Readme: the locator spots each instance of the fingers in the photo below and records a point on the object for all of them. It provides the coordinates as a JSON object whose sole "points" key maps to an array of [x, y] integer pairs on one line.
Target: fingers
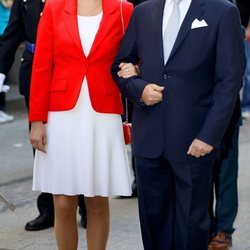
{"points": [[194, 151], [128, 70], [37, 136], [152, 94], [38, 145], [199, 148], [157, 87]]}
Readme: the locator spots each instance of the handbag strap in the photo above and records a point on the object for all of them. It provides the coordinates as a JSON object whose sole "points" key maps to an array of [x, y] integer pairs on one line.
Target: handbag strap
{"points": [[123, 32], [122, 18]]}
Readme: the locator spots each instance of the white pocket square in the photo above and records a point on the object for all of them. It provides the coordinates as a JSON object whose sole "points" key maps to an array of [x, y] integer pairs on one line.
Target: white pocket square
{"points": [[198, 24]]}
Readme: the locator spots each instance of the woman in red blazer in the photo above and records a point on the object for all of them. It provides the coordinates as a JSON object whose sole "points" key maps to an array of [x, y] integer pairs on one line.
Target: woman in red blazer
{"points": [[75, 110]]}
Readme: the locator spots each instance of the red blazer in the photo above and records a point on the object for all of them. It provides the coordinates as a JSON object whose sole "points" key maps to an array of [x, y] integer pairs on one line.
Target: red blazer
{"points": [[60, 65]]}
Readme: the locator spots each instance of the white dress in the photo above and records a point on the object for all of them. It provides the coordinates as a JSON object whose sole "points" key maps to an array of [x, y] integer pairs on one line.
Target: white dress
{"points": [[86, 153]]}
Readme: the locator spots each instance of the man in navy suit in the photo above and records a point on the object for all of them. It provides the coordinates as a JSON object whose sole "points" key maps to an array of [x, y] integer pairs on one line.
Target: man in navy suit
{"points": [[183, 101]]}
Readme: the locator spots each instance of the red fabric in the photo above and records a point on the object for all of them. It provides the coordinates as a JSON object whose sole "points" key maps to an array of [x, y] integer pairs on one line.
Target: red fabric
{"points": [[60, 65]]}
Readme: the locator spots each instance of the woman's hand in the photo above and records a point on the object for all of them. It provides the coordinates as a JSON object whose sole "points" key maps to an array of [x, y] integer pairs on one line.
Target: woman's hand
{"points": [[38, 137], [128, 70]]}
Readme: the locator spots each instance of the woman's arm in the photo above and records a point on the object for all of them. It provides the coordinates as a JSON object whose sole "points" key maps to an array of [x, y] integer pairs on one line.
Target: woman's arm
{"points": [[42, 68]]}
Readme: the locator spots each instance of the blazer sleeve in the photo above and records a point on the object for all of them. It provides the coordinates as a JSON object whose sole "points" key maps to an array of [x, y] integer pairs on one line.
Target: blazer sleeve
{"points": [[13, 35], [132, 87], [229, 69], [42, 67]]}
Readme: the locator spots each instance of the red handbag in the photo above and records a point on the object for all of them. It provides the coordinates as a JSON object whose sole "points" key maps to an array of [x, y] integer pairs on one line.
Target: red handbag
{"points": [[127, 132], [127, 126]]}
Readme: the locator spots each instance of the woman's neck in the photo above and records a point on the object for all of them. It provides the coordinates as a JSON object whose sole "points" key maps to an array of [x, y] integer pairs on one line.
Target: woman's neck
{"points": [[89, 7]]}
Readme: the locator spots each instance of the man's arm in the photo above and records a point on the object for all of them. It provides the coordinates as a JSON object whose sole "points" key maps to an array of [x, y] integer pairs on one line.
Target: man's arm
{"points": [[137, 90], [228, 78], [132, 87]]}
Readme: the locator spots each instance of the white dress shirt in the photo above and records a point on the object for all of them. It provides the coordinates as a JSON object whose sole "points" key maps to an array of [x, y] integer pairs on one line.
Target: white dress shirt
{"points": [[168, 8]]}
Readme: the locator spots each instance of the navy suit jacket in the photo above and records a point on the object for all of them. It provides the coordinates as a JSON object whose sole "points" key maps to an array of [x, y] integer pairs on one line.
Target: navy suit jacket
{"points": [[202, 78]]}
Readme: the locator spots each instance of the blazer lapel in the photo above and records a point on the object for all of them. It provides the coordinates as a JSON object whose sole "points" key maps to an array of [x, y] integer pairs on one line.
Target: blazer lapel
{"points": [[109, 16], [195, 11], [70, 21], [157, 16]]}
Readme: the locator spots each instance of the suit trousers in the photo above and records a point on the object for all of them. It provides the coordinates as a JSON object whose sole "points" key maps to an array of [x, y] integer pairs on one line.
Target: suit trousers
{"points": [[2, 101], [173, 203]]}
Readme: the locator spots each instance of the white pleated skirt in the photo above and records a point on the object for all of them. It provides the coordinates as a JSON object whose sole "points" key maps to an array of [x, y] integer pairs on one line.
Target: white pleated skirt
{"points": [[86, 153]]}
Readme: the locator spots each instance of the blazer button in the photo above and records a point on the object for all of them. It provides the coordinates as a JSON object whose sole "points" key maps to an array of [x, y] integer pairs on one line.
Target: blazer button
{"points": [[165, 76]]}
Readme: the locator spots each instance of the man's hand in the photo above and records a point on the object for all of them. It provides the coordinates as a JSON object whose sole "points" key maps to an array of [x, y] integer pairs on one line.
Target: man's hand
{"points": [[38, 137], [152, 94], [199, 148]]}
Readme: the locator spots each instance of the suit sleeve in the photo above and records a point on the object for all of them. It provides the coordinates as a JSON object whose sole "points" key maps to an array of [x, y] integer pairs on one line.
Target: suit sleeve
{"points": [[42, 68], [132, 87], [12, 37], [229, 67]]}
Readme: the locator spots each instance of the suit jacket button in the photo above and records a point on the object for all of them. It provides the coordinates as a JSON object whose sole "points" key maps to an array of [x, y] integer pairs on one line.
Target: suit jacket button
{"points": [[165, 76]]}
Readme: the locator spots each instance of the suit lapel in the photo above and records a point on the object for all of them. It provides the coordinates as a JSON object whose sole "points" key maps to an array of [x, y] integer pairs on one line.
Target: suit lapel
{"points": [[195, 11], [70, 21], [109, 16], [157, 16]]}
